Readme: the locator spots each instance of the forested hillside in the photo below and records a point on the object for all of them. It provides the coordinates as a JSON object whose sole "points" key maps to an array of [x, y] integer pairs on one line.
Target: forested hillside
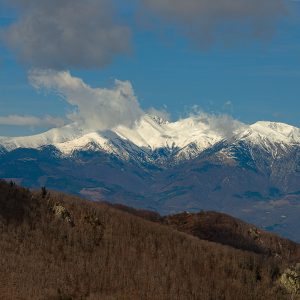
{"points": [[55, 246]]}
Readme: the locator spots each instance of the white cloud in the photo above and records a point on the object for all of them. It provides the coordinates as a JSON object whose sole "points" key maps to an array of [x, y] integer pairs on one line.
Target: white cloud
{"points": [[95, 108], [66, 33], [17, 120], [228, 103], [223, 124], [105, 108]]}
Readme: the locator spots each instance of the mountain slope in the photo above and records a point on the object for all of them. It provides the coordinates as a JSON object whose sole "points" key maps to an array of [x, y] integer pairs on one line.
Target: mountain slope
{"points": [[74, 249], [251, 172]]}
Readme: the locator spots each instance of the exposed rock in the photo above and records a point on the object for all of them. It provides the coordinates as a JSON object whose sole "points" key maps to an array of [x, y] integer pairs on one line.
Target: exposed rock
{"points": [[254, 233], [290, 280], [62, 213]]}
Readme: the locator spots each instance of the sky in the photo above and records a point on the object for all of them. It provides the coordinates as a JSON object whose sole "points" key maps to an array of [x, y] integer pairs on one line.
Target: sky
{"points": [[102, 63]]}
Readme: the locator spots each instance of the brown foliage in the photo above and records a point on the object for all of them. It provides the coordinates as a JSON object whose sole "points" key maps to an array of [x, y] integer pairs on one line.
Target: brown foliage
{"points": [[226, 230], [105, 253]]}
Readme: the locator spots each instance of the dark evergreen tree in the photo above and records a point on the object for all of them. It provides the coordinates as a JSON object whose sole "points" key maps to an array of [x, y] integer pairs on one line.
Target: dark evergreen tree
{"points": [[44, 192]]}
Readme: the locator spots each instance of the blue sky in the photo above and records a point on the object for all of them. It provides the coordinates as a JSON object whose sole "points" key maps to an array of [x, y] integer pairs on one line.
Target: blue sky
{"points": [[252, 79]]}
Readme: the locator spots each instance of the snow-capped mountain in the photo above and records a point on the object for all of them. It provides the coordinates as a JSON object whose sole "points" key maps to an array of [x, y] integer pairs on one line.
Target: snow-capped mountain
{"points": [[185, 138], [249, 171], [150, 133], [271, 135], [143, 141]]}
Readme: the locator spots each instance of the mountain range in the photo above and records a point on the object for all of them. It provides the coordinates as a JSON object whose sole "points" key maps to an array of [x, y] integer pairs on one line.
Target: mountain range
{"points": [[249, 171]]}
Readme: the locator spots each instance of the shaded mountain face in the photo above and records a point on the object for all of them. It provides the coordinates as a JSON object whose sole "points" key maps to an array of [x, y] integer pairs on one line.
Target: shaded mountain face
{"points": [[252, 173]]}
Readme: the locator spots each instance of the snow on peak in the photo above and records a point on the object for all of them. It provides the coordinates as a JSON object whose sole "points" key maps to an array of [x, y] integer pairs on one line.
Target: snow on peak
{"points": [[148, 133], [159, 120], [194, 134], [278, 130], [275, 138], [274, 132], [51, 137]]}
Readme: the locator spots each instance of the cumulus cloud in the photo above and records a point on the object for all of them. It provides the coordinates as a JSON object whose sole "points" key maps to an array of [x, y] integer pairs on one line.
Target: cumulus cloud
{"points": [[95, 108], [106, 108], [223, 124], [60, 34], [32, 121], [204, 20]]}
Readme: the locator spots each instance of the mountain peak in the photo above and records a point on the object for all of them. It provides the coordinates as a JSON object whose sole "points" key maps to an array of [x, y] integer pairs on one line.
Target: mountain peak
{"points": [[159, 119], [276, 132]]}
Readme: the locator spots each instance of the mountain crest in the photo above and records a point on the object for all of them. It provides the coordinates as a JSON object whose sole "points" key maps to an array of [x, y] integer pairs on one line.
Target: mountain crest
{"points": [[184, 139]]}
